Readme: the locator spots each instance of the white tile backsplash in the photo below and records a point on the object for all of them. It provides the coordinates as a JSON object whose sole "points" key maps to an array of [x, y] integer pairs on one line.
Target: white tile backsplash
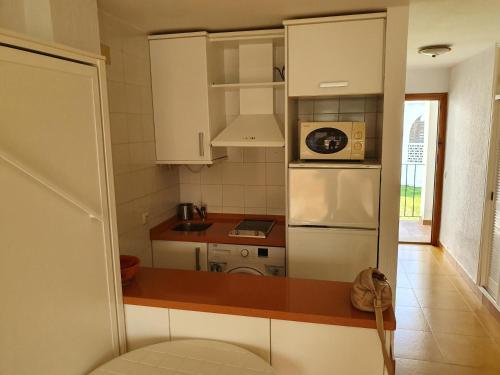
{"points": [[212, 175], [352, 105], [211, 195], [326, 106], [233, 196], [275, 155], [233, 173], [324, 117], [239, 183], [134, 127], [254, 173], [275, 197], [306, 107], [352, 117], [190, 193], [255, 196], [254, 155], [140, 185], [188, 176], [119, 130], [275, 174]]}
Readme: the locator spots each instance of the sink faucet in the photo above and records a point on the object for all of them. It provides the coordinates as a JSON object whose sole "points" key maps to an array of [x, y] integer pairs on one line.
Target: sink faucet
{"points": [[202, 211]]}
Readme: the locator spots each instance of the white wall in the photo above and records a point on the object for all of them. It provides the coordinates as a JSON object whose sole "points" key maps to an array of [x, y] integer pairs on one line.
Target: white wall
{"points": [[70, 22], [427, 80], [467, 140], [141, 186]]}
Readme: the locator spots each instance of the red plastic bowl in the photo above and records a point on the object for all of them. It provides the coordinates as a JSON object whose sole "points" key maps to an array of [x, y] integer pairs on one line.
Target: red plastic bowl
{"points": [[129, 265]]}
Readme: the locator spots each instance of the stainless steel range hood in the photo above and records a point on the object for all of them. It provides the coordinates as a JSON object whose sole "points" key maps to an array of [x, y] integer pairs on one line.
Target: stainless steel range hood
{"points": [[257, 125]]}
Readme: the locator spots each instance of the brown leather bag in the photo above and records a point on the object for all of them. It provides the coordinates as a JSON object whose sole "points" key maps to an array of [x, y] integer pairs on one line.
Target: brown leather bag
{"points": [[371, 292]]}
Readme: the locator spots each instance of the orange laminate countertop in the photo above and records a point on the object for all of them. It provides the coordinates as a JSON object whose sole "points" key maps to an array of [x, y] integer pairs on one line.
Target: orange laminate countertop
{"points": [[312, 301], [218, 231]]}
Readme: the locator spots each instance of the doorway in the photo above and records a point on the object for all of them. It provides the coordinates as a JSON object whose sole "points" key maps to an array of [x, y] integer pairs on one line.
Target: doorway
{"points": [[422, 167]]}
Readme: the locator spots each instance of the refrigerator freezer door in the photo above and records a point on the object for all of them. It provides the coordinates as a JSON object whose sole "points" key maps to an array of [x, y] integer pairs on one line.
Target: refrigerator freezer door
{"points": [[330, 254], [334, 197]]}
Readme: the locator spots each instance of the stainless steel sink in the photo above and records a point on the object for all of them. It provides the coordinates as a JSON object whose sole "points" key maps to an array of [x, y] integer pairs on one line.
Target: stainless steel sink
{"points": [[191, 227]]}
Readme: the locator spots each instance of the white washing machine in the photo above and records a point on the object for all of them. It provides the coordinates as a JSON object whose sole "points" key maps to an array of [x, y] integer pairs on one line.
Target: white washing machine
{"points": [[249, 259]]}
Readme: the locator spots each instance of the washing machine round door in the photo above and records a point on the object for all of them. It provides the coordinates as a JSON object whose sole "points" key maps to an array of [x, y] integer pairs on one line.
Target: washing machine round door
{"points": [[246, 270]]}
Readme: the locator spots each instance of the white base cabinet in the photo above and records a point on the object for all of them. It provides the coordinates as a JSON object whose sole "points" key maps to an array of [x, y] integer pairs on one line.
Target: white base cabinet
{"points": [[247, 332], [292, 348], [146, 326], [299, 348], [180, 255]]}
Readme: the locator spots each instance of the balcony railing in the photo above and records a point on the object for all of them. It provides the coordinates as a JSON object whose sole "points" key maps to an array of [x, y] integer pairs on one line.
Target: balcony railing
{"points": [[410, 194]]}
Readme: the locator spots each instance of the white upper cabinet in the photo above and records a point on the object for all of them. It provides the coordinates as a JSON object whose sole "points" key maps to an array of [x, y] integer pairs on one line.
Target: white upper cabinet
{"points": [[336, 55], [184, 121]]}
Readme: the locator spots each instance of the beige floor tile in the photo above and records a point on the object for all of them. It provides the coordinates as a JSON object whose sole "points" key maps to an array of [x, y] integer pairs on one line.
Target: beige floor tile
{"points": [[455, 322], [411, 318], [428, 281], [466, 292], [406, 297], [489, 323], [416, 367], [426, 267], [415, 255], [441, 299], [469, 350], [416, 345], [402, 280]]}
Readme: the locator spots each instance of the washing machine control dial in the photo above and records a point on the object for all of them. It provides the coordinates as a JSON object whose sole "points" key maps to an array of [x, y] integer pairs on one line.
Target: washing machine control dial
{"points": [[244, 253]]}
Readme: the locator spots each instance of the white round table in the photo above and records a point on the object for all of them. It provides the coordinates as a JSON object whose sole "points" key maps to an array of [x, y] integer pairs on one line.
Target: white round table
{"points": [[200, 357]]}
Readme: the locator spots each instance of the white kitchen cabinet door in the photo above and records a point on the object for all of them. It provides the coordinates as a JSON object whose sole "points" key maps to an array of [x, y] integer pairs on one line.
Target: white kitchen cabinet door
{"points": [[336, 58], [330, 253], [146, 325], [247, 332], [299, 348], [179, 77], [180, 255]]}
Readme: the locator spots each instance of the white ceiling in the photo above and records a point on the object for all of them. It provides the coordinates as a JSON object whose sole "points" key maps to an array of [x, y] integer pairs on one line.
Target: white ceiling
{"points": [[469, 25], [155, 16]]}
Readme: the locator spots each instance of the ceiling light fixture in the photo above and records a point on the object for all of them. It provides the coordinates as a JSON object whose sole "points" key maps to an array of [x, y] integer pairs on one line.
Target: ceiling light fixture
{"points": [[434, 50]]}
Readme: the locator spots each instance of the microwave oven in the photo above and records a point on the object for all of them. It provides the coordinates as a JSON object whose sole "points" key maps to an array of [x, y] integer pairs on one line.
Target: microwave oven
{"points": [[332, 140]]}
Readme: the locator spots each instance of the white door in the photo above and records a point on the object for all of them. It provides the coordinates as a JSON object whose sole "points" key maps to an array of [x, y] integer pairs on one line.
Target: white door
{"points": [[180, 255], [335, 197], [180, 99], [58, 313], [336, 58], [330, 253]]}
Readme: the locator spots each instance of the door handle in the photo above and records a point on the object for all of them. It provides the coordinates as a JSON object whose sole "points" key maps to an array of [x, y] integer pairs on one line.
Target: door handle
{"points": [[333, 84], [197, 255], [201, 143]]}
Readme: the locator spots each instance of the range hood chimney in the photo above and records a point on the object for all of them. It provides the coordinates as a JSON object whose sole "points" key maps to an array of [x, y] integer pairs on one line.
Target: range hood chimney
{"points": [[256, 125]]}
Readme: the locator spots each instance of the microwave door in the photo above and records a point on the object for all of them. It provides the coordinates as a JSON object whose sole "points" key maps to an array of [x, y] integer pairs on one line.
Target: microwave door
{"points": [[334, 197]]}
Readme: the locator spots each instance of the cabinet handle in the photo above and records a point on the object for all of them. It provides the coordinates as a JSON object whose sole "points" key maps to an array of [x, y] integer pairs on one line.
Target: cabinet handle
{"points": [[333, 84], [197, 254], [201, 143]]}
